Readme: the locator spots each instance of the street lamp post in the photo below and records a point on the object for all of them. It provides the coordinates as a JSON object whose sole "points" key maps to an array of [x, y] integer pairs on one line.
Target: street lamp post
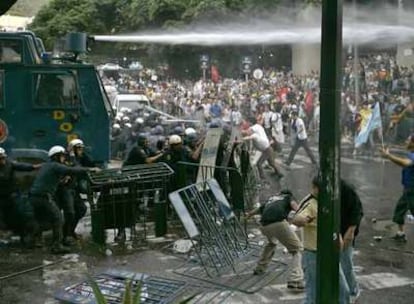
{"points": [[327, 275], [204, 59], [246, 63]]}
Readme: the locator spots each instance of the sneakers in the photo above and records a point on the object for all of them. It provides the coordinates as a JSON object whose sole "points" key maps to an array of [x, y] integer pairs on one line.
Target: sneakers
{"points": [[299, 285], [278, 175], [258, 271], [353, 299], [400, 237]]}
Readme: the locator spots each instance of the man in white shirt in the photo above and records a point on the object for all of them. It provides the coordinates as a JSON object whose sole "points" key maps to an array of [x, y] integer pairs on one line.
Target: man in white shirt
{"points": [[300, 140], [267, 120], [257, 134]]}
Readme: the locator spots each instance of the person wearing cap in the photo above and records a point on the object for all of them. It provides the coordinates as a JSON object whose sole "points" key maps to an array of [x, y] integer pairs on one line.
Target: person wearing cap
{"points": [[275, 227], [9, 217], [406, 200], [43, 191], [300, 139]]}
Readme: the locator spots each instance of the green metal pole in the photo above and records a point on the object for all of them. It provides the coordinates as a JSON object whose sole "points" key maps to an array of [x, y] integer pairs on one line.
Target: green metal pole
{"points": [[327, 284]]}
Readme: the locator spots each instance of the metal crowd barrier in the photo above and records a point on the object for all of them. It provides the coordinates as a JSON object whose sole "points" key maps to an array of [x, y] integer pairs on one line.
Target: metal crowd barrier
{"points": [[121, 198], [240, 187], [222, 254], [153, 290]]}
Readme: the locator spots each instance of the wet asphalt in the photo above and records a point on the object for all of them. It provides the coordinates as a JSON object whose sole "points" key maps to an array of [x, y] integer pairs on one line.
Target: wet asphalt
{"points": [[385, 269]]}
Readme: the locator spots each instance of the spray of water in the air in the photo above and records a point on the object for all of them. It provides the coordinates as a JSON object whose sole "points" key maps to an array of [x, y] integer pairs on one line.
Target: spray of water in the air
{"points": [[386, 25]]}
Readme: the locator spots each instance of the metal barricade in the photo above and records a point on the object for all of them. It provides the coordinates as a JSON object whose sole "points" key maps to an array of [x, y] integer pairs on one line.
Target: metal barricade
{"points": [[239, 185], [211, 223], [153, 289], [121, 198], [223, 255]]}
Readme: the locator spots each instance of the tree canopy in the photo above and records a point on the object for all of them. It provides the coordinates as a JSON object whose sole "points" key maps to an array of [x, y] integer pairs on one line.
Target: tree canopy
{"points": [[116, 16]]}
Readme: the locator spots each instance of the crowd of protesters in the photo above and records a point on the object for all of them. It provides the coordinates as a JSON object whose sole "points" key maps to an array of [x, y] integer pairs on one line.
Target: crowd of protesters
{"points": [[376, 78]]}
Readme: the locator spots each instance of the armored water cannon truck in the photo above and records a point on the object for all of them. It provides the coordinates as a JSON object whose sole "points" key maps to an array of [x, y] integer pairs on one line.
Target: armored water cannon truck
{"points": [[46, 100]]}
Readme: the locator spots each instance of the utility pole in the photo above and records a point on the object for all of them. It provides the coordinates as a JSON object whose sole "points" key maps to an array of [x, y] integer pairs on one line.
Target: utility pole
{"points": [[357, 81], [327, 275]]}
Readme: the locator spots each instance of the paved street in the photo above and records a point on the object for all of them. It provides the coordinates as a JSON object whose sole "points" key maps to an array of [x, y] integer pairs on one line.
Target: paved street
{"points": [[385, 269]]}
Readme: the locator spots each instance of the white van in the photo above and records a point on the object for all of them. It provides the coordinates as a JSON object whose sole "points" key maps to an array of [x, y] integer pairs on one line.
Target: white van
{"points": [[131, 101]]}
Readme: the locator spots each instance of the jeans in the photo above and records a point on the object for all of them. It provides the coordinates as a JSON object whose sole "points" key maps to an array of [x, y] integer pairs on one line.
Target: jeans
{"points": [[347, 265], [309, 269]]}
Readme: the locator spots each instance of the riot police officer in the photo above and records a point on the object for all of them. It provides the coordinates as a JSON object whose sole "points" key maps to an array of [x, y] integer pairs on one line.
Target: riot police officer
{"points": [[141, 154], [43, 190], [68, 193], [8, 193]]}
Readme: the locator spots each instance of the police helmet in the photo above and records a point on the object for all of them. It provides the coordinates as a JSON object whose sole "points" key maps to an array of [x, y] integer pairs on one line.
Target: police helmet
{"points": [[2, 152], [125, 119], [139, 120], [189, 131], [75, 143], [56, 150], [178, 131], [116, 126], [174, 140], [142, 138], [159, 130], [128, 125]]}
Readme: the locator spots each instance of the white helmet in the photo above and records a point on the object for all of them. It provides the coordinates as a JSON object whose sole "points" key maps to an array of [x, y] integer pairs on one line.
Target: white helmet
{"points": [[190, 131], [174, 140], [128, 125], [116, 126], [139, 120], [75, 142], [56, 150], [3, 152], [125, 119]]}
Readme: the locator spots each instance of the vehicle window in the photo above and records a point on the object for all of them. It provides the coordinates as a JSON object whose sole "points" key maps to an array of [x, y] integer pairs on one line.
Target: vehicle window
{"points": [[55, 90], [10, 51], [1, 89]]}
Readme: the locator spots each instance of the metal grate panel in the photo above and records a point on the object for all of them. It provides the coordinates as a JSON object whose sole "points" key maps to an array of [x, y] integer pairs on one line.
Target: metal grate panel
{"points": [[154, 290]]}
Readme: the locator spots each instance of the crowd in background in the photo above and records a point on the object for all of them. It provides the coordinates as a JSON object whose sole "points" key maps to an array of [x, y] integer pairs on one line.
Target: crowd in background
{"points": [[374, 78]]}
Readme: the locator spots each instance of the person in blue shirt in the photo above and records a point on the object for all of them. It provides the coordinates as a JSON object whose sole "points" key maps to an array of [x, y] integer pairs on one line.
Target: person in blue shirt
{"points": [[406, 201]]}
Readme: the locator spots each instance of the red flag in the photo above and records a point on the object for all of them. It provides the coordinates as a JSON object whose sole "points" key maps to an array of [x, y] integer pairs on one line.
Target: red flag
{"points": [[309, 102], [215, 75]]}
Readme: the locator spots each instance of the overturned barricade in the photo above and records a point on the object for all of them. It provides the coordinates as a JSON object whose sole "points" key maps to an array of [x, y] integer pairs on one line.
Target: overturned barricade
{"points": [[223, 254], [113, 284], [122, 198]]}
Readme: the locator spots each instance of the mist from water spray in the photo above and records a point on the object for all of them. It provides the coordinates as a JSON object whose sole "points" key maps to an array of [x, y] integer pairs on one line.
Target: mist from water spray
{"points": [[381, 26]]}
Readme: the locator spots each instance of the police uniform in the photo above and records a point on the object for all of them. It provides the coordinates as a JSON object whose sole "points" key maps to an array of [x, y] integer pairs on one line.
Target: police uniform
{"points": [[137, 156], [68, 196], [42, 196], [8, 207]]}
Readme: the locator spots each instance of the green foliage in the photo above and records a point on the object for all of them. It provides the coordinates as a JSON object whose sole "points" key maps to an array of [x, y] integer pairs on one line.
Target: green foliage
{"points": [[130, 296], [100, 299]]}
